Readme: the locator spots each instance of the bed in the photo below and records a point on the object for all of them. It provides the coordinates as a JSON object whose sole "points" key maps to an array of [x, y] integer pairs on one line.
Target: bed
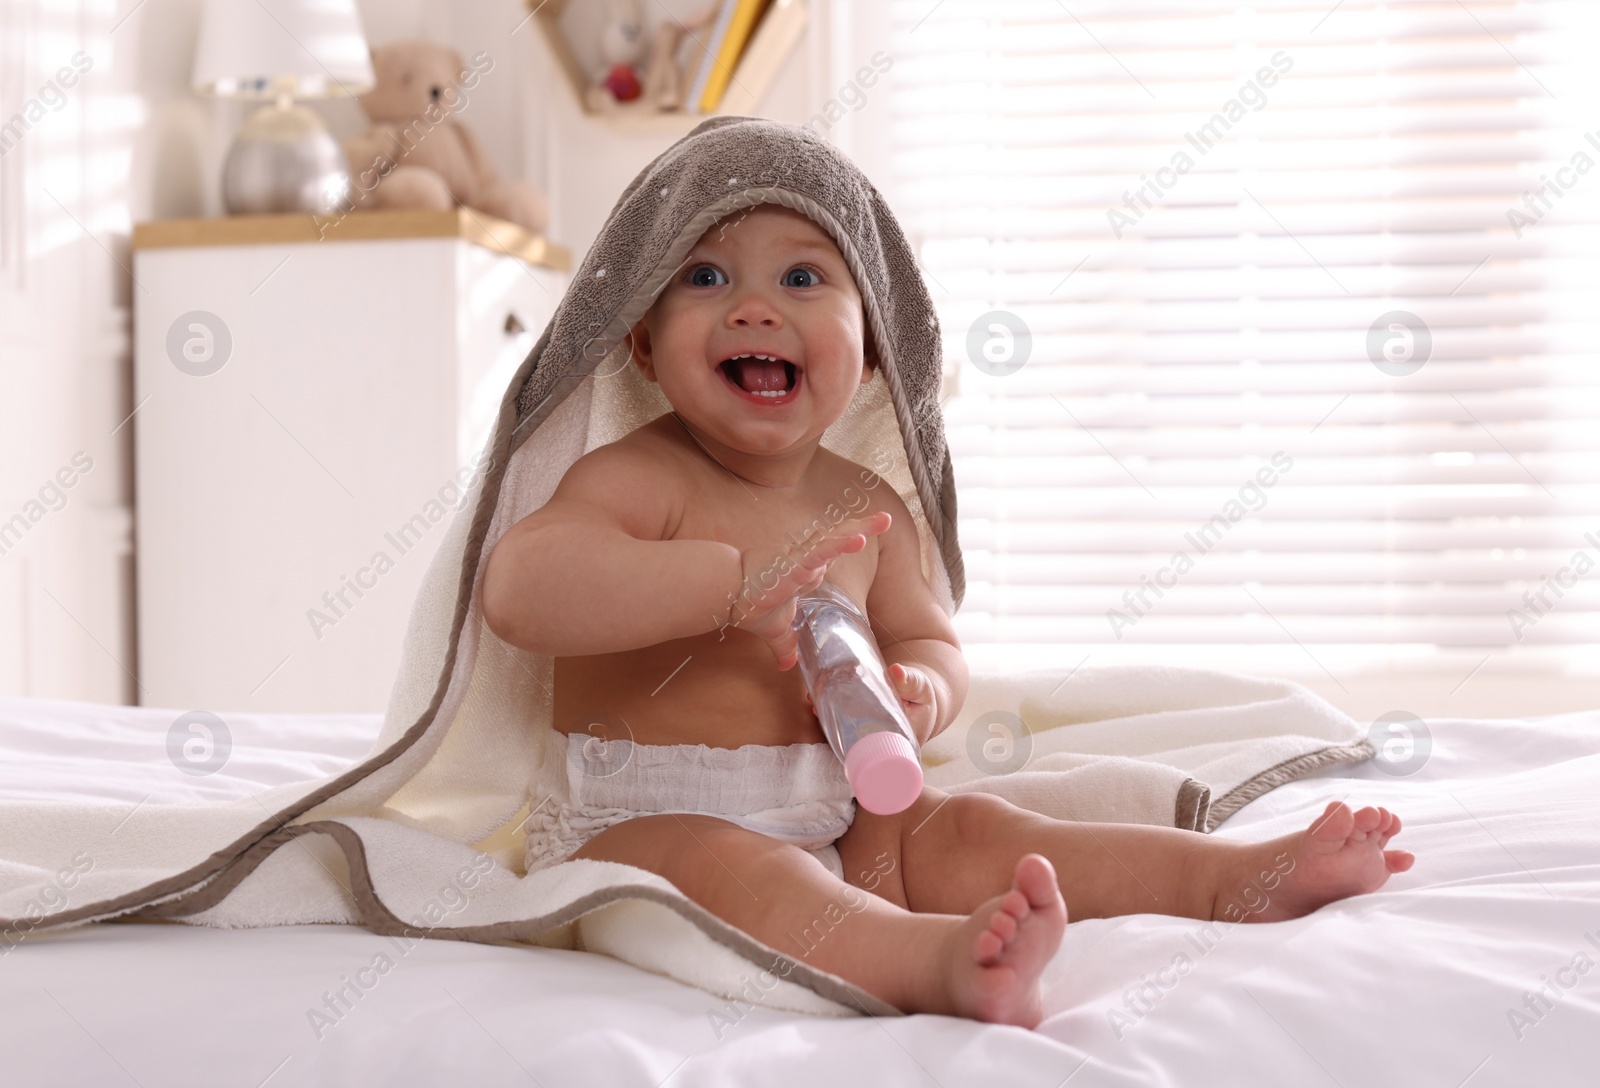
{"points": [[1478, 967]]}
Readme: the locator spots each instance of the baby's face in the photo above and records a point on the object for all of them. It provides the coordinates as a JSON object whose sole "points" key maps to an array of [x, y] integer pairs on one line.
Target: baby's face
{"points": [[757, 341]]}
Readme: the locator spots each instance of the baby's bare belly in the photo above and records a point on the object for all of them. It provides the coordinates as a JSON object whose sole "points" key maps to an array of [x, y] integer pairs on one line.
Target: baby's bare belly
{"points": [[721, 692]]}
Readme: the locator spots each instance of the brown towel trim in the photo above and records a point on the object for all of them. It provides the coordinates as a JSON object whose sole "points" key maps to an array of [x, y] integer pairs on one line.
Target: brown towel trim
{"points": [[377, 917], [1193, 805], [1287, 771]]}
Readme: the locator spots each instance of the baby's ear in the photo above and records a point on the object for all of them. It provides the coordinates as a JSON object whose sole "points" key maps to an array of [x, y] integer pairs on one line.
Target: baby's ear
{"points": [[639, 350]]}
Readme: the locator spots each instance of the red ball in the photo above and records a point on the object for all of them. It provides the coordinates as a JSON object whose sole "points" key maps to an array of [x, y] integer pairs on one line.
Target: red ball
{"points": [[623, 83]]}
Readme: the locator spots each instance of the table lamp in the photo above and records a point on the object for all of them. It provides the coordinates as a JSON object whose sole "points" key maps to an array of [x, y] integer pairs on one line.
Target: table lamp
{"points": [[283, 159]]}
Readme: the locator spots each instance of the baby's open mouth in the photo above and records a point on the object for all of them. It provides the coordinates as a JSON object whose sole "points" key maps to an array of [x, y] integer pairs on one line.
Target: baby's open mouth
{"points": [[765, 376]]}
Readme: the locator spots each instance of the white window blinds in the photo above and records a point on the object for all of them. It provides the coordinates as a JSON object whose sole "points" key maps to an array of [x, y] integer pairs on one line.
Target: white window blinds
{"points": [[1308, 296]]}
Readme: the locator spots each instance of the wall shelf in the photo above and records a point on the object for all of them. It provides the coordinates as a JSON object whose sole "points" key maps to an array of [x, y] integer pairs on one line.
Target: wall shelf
{"points": [[757, 73]]}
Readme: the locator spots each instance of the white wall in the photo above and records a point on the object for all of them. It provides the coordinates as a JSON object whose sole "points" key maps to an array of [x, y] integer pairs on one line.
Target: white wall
{"points": [[132, 142], [65, 193]]}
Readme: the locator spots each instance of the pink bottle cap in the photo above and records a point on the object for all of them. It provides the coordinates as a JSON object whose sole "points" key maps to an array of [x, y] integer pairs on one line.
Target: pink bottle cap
{"points": [[884, 772]]}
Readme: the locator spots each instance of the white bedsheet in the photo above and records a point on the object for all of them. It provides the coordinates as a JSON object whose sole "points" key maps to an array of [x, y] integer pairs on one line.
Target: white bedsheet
{"points": [[1411, 986]]}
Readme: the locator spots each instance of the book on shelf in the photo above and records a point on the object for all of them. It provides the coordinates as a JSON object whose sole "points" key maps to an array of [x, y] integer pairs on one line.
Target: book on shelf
{"points": [[734, 23], [776, 35]]}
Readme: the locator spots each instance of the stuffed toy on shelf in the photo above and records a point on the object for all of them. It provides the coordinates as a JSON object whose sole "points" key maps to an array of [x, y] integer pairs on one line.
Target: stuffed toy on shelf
{"points": [[418, 153], [640, 71]]}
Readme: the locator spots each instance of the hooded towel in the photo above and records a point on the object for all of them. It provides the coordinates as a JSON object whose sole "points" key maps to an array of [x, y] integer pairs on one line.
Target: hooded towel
{"points": [[424, 836]]}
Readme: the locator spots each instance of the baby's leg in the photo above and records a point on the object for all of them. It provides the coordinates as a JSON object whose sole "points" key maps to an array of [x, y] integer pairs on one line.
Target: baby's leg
{"points": [[955, 849], [983, 963]]}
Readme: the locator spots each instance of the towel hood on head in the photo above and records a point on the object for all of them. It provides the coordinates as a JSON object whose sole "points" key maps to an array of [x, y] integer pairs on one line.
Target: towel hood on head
{"points": [[725, 165]]}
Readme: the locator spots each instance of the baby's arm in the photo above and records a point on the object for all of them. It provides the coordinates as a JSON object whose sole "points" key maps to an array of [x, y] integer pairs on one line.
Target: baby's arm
{"points": [[592, 571], [918, 642], [569, 578]]}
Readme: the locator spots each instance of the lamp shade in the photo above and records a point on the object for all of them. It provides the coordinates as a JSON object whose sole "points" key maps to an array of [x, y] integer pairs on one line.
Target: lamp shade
{"points": [[264, 48]]}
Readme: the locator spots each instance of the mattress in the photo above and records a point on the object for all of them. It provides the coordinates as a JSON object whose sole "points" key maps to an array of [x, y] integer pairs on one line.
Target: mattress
{"points": [[1478, 967]]}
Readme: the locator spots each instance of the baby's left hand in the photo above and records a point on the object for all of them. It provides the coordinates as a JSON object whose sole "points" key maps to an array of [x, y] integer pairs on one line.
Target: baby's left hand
{"points": [[916, 697]]}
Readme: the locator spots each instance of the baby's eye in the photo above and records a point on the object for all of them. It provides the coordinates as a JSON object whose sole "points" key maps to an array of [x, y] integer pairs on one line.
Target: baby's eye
{"points": [[706, 275], [800, 277]]}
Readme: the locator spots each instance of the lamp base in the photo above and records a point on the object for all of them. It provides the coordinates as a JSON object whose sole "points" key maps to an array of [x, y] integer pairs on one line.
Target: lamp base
{"points": [[284, 160]]}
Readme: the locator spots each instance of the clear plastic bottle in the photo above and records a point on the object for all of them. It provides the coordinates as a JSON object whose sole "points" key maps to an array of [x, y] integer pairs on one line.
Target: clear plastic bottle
{"points": [[859, 711]]}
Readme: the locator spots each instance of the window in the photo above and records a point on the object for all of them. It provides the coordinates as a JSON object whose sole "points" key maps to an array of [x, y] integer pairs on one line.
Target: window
{"points": [[1307, 297]]}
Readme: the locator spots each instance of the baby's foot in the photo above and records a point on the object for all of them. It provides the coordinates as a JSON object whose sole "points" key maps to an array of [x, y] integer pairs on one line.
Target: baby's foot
{"points": [[996, 956], [1341, 854]]}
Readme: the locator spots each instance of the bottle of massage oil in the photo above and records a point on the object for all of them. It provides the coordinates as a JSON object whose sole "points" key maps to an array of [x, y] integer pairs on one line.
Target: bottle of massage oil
{"points": [[859, 711]]}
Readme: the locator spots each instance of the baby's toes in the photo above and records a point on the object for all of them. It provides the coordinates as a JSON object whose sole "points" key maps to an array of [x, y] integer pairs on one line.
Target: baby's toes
{"points": [[1333, 826], [1398, 861], [1368, 821], [1391, 830], [987, 948], [1014, 905], [1004, 926]]}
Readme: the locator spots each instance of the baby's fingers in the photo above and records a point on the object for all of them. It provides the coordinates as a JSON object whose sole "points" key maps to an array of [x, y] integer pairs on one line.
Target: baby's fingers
{"points": [[848, 536], [786, 648], [871, 526], [804, 576], [852, 528]]}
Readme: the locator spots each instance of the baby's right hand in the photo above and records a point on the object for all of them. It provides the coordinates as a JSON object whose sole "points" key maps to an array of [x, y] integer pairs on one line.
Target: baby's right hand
{"points": [[774, 576]]}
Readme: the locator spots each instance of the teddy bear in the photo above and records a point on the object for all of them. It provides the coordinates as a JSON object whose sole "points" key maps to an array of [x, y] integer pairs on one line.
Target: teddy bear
{"points": [[417, 154]]}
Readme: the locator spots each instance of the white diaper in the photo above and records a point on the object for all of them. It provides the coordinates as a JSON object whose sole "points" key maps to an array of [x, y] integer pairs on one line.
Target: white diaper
{"points": [[794, 793]]}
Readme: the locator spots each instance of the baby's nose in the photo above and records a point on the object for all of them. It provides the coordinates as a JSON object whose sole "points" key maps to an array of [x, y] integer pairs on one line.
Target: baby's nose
{"points": [[754, 308]]}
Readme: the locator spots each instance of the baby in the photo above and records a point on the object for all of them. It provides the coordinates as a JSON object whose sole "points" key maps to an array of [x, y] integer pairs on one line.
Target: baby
{"points": [[662, 577]]}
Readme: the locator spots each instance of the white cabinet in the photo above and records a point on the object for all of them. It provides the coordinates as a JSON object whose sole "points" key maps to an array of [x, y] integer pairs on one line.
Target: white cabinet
{"points": [[308, 413]]}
